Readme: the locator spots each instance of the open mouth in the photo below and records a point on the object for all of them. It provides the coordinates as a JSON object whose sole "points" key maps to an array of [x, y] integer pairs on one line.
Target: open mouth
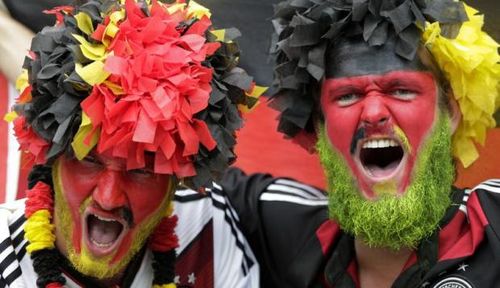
{"points": [[103, 233], [381, 157]]}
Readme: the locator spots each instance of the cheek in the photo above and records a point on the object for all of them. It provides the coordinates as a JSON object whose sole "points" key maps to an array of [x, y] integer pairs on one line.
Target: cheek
{"points": [[146, 196], [340, 125], [417, 120], [76, 187]]}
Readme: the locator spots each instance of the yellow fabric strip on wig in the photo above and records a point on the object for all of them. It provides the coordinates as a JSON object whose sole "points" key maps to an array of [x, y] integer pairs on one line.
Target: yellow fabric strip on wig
{"points": [[171, 285], [84, 22], [91, 51], [22, 81], [255, 93], [81, 145], [175, 7], [112, 28], [219, 34], [38, 230], [470, 62], [11, 116], [196, 10], [92, 73]]}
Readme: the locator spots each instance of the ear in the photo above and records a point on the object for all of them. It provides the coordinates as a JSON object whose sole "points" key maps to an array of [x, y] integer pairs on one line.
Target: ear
{"points": [[455, 114]]}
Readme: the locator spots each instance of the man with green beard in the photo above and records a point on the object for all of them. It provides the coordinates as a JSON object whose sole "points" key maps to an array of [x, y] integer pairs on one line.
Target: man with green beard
{"points": [[390, 92]]}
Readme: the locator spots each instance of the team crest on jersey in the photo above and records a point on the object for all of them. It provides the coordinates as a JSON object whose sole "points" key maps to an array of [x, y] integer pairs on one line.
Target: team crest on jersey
{"points": [[453, 282]]}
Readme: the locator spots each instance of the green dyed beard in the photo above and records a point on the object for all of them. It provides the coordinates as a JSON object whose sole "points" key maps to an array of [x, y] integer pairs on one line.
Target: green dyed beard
{"points": [[393, 221]]}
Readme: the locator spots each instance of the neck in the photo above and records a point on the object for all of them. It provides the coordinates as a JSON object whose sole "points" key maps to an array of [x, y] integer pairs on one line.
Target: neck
{"points": [[379, 267]]}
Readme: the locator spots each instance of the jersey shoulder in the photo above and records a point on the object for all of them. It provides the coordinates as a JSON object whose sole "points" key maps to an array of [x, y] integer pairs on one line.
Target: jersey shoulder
{"points": [[488, 194]]}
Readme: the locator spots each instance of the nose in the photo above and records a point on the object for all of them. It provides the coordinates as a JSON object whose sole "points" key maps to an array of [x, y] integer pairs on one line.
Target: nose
{"points": [[375, 113], [109, 193]]}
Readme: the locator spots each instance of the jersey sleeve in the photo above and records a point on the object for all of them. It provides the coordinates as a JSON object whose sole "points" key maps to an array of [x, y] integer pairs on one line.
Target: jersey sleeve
{"points": [[279, 217], [243, 193]]}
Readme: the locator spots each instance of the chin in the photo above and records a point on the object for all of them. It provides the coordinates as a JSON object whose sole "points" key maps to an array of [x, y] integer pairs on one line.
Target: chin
{"points": [[100, 268]]}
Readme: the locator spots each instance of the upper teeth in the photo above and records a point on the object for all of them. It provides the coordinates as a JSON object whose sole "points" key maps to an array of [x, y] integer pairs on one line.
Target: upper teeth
{"points": [[380, 143], [104, 219]]}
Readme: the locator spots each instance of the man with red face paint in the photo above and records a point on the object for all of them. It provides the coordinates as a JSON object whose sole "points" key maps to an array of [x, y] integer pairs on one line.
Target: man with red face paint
{"points": [[120, 101], [390, 93]]}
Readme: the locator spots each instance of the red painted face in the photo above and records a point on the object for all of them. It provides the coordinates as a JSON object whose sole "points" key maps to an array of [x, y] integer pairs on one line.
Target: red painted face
{"points": [[378, 123], [109, 205]]}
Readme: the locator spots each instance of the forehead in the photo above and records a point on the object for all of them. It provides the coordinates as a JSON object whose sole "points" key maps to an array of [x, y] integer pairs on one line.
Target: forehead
{"points": [[350, 57]]}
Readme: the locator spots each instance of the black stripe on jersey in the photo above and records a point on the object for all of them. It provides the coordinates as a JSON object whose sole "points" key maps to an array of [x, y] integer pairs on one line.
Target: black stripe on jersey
{"points": [[5, 243], [189, 198], [18, 239], [13, 276], [16, 224], [2, 283], [492, 184], [290, 194], [230, 215], [272, 189], [6, 262], [225, 208], [292, 184], [216, 190], [22, 252]]}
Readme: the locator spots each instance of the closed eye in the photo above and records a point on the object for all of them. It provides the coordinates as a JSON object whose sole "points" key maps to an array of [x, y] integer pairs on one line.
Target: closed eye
{"points": [[90, 159], [142, 172], [91, 162]]}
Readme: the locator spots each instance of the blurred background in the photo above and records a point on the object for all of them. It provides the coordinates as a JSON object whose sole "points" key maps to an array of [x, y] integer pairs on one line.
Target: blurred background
{"points": [[260, 147]]}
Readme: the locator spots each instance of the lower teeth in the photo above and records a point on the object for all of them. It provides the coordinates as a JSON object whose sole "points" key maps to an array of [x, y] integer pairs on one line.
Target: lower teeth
{"points": [[100, 245]]}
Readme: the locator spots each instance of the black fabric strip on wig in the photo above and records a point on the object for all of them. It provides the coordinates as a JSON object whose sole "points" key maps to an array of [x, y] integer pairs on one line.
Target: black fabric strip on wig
{"points": [[164, 267], [46, 265]]}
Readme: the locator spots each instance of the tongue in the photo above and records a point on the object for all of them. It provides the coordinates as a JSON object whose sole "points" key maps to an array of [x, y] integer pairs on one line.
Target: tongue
{"points": [[103, 232], [377, 171]]}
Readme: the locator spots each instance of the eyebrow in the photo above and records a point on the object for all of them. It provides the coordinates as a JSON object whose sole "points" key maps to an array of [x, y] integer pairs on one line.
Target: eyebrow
{"points": [[393, 82], [389, 82], [346, 87], [341, 89]]}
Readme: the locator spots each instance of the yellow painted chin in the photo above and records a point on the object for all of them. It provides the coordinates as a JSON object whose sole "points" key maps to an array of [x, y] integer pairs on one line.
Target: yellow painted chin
{"points": [[99, 268], [385, 188]]}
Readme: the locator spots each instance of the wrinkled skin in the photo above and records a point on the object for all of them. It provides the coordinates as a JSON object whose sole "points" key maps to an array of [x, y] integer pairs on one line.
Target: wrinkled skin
{"points": [[386, 99], [104, 212]]}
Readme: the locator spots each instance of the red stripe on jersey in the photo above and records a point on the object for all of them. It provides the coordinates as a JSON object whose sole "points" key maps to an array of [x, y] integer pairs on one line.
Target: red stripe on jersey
{"points": [[352, 269], [464, 233], [326, 233], [195, 265]]}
